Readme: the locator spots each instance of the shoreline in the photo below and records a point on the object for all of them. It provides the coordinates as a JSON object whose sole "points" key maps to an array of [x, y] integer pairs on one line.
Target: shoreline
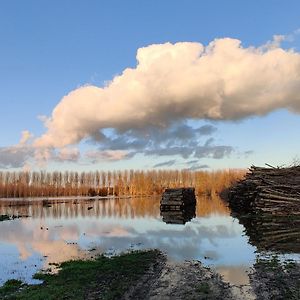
{"points": [[150, 275]]}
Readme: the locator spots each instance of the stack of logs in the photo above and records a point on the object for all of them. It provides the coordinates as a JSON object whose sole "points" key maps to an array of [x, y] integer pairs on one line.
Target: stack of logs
{"points": [[271, 190], [177, 199], [178, 206]]}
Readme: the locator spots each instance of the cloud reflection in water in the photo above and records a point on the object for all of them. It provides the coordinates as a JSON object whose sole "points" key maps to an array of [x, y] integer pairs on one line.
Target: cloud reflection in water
{"points": [[65, 229]]}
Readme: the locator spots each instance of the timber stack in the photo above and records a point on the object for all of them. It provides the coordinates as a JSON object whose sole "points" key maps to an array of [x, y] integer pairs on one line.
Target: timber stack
{"points": [[273, 233], [177, 199], [269, 190]]}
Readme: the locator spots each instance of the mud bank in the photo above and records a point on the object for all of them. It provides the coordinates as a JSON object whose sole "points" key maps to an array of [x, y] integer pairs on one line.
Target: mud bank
{"points": [[275, 279], [149, 275]]}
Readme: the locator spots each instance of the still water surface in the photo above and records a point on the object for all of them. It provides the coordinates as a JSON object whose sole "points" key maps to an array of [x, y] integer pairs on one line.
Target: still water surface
{"points": [[55, 231]]}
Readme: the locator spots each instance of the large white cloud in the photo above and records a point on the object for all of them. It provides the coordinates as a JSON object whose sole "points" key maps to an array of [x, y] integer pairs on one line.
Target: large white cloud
{"points": [[221, 81]]}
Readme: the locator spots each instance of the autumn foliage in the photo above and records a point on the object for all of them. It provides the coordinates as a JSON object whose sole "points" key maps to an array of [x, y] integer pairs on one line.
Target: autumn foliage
{"points": [[118, 183]]}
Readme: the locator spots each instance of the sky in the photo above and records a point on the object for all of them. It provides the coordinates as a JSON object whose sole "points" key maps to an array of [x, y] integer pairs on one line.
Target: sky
{"points": [[198, 85]]}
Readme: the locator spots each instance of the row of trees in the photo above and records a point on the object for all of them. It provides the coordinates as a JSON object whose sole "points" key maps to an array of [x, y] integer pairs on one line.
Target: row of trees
{"points": [[119, 183]]}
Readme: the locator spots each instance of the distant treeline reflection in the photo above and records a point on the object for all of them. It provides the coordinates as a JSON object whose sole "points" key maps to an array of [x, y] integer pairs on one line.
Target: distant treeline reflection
{"points": [[118, 183], [137, 207]]}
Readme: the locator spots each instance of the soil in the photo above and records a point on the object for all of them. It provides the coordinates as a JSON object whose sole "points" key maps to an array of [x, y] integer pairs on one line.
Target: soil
{"points": [[187, 280], [273, 279], [149, 275], [270, 279]]}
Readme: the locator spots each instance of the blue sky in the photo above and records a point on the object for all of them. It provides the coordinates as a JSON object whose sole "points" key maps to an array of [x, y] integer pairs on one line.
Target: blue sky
{"points": [[49, 48]]}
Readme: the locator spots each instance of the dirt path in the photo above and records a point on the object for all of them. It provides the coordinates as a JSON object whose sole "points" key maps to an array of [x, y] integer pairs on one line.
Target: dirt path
{"points": [[187, 280], [166, 280]]}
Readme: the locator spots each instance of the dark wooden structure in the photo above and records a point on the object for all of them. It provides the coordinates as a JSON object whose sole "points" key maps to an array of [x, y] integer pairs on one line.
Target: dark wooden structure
{"points": [[178, 206], [177, 199], [274, 191]]}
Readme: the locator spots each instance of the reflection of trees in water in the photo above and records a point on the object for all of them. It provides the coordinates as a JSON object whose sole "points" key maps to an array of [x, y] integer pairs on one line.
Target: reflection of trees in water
{"points": [[118, 208], [281, 234], [211, 205]]}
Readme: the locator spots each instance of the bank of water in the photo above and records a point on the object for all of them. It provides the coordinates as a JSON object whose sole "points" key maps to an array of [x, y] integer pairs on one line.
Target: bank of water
{"points": [[53, 231]]}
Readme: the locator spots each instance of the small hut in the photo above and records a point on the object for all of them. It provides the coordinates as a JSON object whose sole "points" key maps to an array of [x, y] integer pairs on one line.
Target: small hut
{"points": [[177, 199]]}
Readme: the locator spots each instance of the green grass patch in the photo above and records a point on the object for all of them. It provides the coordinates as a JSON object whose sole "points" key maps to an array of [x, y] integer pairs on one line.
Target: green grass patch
{"points": [[282, 278], [4, 218], [10, 287], [101, 278], [203, 288], [272, 263]]}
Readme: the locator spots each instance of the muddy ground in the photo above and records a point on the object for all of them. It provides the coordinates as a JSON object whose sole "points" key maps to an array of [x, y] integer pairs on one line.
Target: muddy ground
{"points": [[270, 279], [187, 280], [149, 275], [275, 279]]}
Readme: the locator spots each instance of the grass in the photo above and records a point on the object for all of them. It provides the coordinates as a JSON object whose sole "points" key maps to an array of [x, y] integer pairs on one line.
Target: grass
{"points": [[4, 218], [281, 277], [203, 288], [10, 287], [102, 278], [272, 263]]}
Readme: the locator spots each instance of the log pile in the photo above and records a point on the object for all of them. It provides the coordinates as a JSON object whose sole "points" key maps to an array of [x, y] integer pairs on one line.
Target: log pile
{"points": [[177, 199], [179, 216], [178, 206], [273, 233], [271, 190]]}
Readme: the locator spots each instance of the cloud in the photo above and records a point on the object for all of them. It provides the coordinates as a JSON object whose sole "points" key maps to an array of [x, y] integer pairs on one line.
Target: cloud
{"points": [[178, 139], [207, 129], [17, 156], [198, 167], [165, 164], [248, 153], [68, 154], [25, 137], [192, 162], [14, 157], [274, 43], [292, 36], [212, 151], [185, 80], [110, 155], [43, 155]]}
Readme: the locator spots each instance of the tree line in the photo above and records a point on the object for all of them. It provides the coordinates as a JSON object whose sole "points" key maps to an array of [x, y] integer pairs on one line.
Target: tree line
{"points": [[119, 183]]}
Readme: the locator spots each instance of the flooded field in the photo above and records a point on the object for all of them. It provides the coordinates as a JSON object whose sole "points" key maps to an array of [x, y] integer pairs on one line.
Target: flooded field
{"points": [[44, 232]]}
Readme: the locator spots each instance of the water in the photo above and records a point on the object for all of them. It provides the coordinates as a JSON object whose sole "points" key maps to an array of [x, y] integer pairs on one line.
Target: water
{"points": [[58, 230]]}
